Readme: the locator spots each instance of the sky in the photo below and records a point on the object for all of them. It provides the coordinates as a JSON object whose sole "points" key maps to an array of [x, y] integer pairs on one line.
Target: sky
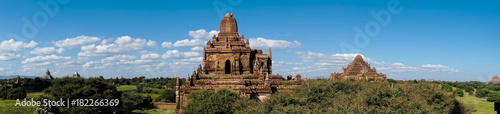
{"points": [[405, 39]]}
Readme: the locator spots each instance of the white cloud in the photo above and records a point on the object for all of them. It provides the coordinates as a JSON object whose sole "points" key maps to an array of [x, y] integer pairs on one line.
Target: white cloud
{"points": [[121, 45], [167, 44], [8, 56], [151, 56], [202, 33], [325, 64], [176, 54], [45, 59], [47, 51], [190, 43], [262, 43], [197, 48], [151, 43], [2, 69], [77, 41], [11, 45]]}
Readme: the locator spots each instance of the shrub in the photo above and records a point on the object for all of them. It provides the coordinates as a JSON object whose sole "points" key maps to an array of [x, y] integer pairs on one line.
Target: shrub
{"points": [[469, 89], [209, 102], [80, 88], [482, 93], [16, 93], [167, 96], [494, 96], [459, 92], [446, 87]]}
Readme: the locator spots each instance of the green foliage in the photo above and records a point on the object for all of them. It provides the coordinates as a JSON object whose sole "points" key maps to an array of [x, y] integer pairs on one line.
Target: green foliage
{"points": [[469, 89], [209, 102], [323, 96], [459, 92], [446, 87], [494, 96], [133, 100], [167, 96], [80, 88], [16, 93], [482, 93]]}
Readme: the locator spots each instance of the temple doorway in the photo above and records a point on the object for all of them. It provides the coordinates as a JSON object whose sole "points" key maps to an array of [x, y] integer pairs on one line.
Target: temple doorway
{"points": [[227, 67]]}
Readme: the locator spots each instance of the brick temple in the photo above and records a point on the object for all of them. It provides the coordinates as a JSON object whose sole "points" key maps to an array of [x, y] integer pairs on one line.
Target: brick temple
{"points": [[494, 80], [358, 69], [229, 62]]}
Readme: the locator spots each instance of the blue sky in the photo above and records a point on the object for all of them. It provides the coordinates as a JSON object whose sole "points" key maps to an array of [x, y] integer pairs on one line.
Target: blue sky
{"points": [[424, 39]]}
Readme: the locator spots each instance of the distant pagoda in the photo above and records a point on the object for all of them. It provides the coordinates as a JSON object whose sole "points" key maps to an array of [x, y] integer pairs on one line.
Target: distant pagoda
{"points": [[76, 75], [358, 69], [47, 75], [494, 80]]}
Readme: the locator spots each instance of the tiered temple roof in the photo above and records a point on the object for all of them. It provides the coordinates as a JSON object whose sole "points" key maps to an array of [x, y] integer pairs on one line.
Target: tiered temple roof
{"points": [[76, 75], [47, 75], [358, 69], [494, 80]]}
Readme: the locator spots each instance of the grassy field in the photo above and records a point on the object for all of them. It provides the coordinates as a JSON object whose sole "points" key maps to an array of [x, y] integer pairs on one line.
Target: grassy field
{"points": [[8, 107], [34, 94], [155, 111], [126, 87], [482, 106]]}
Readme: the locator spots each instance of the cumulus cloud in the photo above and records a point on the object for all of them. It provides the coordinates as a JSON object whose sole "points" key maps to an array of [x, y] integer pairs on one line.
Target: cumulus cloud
{"points": [[197, 48], [202, 33], [47, 51], [77, 41], [46, 59], [190, 43], [11, 45], [121, 45], [151, 43], [32, 64], [8, 56], [167, 44], [176, 54], [262, 43]]}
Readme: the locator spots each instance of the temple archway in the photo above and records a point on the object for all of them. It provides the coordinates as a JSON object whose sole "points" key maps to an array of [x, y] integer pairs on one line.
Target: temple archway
{"points": [[227, 67]]}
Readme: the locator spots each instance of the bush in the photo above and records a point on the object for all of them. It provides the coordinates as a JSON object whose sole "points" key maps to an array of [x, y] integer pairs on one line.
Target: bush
{"points": [[209, 102], [446, 87], [16, 93], [344, 96], [469, 89], [482, 93], [494, 96], [132, 100], [459, 92], [80, 88], [167, 96]]}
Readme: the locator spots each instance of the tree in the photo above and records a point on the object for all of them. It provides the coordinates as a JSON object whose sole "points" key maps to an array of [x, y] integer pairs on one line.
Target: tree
{"points": [[16, 93], [482, 93], [209, 102], [80, 88], [167, 96], [133, 100], [459, 92], [469, 89], [446, 87], [494, 96]]}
